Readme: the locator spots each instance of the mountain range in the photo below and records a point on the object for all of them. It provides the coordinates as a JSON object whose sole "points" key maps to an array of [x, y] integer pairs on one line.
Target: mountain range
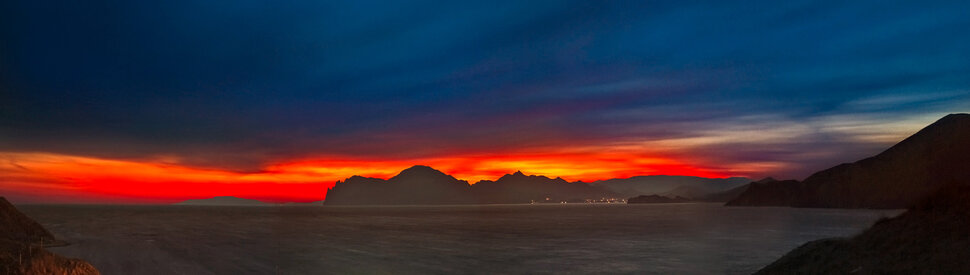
{"points": [[425, 185]]}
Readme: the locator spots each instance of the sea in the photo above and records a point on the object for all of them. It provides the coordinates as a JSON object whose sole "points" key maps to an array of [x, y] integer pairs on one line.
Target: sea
{"points": [[680, 238]]}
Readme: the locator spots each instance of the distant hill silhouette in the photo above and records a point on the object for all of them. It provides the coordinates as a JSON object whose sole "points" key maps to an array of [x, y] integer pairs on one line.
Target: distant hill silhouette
{"points": [[930, 238], [425, 185], [684, 186], [415, 185], [915, 167], [519, 188], [226, 200], [21, 250]]}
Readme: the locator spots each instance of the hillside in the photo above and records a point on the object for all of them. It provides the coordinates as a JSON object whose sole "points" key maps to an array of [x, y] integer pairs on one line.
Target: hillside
{"points": [[937, 155], [21, 247]]}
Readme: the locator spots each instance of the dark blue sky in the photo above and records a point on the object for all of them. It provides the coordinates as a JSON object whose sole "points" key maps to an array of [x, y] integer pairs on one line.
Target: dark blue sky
{"points": [[790, 85]]}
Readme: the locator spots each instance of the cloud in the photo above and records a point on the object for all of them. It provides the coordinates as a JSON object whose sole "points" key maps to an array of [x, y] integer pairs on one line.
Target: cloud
{"points": [[896, 100], [787, 87]]}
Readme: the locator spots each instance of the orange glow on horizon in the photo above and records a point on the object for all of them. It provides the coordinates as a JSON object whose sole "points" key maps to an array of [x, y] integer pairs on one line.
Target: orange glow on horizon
{"points": [[304, 180]]}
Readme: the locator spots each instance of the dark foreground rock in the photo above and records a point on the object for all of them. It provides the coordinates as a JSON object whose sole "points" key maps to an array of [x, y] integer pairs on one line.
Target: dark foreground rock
{"points": [[932, 237], [16, 226], [19, 258], [21, 247], [656, 199]]}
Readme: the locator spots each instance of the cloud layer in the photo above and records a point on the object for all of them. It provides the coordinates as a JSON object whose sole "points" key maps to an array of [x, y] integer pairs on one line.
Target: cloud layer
{"points": [[759, 88]]}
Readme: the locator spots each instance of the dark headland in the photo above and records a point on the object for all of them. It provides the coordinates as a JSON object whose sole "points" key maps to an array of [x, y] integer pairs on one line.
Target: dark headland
{"points": [[21, 247], [929, 173], [935, 156], [932, 237]]}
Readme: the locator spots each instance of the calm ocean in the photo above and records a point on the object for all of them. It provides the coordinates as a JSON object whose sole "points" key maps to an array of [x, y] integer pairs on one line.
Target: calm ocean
{"points": [[692, 238]]}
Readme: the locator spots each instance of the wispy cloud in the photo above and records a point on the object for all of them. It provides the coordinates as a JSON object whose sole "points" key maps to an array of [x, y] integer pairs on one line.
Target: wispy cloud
{"points": [[757, 88]]}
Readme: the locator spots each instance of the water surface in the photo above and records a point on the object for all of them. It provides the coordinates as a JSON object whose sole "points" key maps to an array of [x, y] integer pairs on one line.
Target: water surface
{"points": [[691, 238]]}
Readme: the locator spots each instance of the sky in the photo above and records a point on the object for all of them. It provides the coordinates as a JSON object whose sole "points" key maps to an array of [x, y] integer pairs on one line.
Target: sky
{"points": [[156, 102]]}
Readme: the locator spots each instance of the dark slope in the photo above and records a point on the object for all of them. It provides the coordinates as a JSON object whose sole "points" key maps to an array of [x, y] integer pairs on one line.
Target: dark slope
{"points": [[21, 251], [936, 155], [771, 193], [16, 226], [730, 194], [930, 238]]}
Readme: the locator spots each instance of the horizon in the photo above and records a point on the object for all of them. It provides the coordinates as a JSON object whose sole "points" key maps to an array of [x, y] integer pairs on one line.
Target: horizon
{"points": [[104, 102], [283, 200]]}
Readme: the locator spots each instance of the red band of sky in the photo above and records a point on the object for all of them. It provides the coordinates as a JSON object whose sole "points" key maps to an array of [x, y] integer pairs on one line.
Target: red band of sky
{"points": [[44, 177]]}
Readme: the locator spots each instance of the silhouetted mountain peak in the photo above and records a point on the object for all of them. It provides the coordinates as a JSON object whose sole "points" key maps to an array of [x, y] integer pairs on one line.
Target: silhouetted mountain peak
{"points": [[518, 175], [360, 179], [416, 185], [420, 171], [420, 175]]}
